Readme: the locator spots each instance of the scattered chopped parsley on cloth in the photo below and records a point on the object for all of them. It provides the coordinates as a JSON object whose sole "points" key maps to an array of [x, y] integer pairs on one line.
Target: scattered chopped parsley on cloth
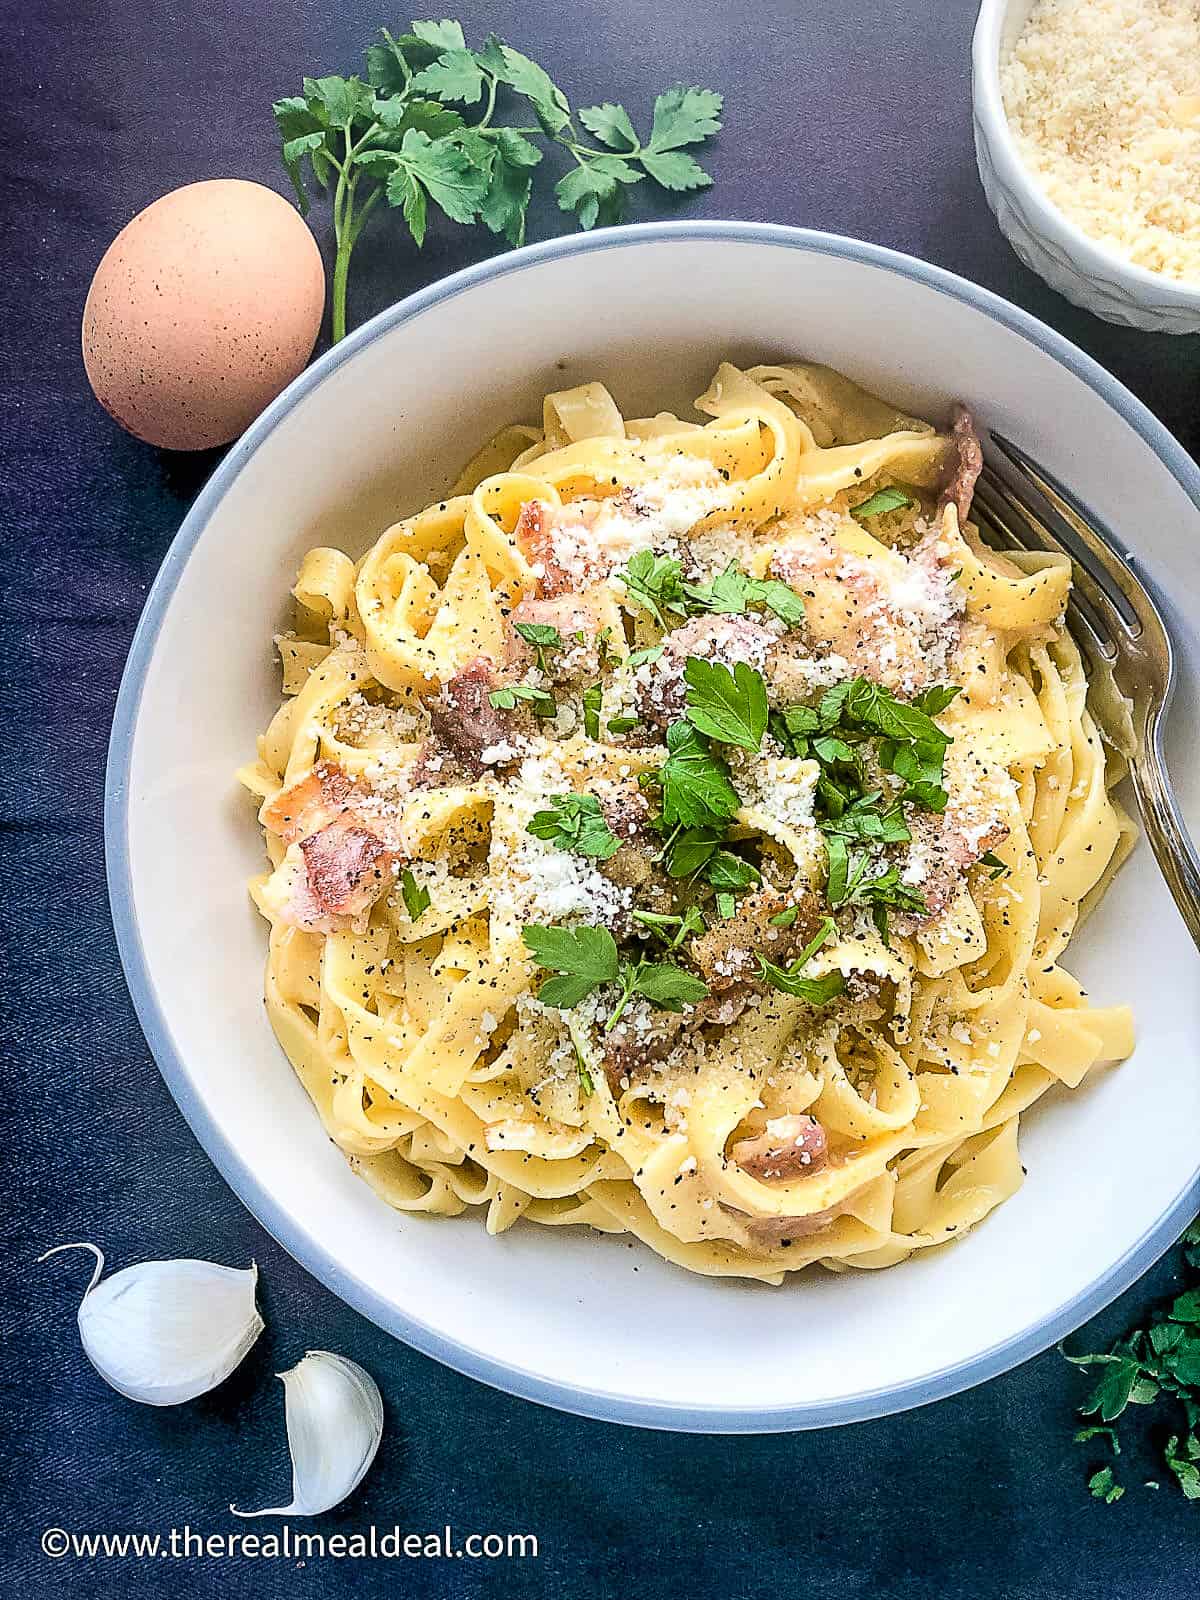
{"points": [[1157, 1365]]}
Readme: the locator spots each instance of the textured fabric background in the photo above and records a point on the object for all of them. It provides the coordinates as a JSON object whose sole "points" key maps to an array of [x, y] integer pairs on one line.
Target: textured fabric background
{"points": [[851, 115]]}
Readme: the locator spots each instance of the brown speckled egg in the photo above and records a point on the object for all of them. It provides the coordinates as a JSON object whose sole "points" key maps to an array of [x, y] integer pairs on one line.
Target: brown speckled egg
{"points": [[202, 310]]}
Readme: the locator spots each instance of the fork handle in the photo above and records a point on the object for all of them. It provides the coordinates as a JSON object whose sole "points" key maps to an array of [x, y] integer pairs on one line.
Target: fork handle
{"points": [[1166, 830]]}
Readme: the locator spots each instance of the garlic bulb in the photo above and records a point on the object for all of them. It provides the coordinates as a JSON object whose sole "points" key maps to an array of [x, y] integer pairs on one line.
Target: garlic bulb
{"points": [[165, 1331], [334, 1419]]}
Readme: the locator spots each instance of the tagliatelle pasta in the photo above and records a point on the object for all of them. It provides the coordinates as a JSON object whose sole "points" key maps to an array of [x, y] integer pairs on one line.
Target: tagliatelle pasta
{"points": [[677, 831]]}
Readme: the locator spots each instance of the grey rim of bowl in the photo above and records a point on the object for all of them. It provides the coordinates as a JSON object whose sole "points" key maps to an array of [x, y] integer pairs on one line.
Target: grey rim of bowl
{"points": [[1150, 291], [295, 1239]]}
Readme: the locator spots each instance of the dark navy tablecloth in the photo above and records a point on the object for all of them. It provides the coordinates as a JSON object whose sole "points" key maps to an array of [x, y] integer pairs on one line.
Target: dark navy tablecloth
{"points": [[851, 115]]}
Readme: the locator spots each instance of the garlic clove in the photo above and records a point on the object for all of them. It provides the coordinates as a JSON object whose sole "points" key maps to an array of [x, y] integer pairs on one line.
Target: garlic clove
{"points": [[163, 1332], [334, 1416]]}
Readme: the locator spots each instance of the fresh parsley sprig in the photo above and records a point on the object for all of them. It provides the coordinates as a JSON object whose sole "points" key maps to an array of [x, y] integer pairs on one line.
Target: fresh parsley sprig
{"points": [[421, 128], [655, 583], [583, 959], [540, 702]]}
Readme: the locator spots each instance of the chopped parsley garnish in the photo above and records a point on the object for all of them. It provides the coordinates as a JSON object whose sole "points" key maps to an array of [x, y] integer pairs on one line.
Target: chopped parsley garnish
{"points": [[694, 783], [883, 500], [541, 637], [727, 871], [853, 882], [1160, 1361], [653, 583], [415, 895], [733, 593], [786, 917], [593, 699], [728, 706], [672, 930], [690, 850], [1104, 1486], [505, 699], [726, 905], [790, 979], [650, 653], [582, 959], [575, 822], [996, 867], [623, 724]]}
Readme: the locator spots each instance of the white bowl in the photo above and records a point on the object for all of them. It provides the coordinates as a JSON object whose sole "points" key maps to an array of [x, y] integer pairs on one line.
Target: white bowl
{"points": [[1079, 267], [377, 427]]}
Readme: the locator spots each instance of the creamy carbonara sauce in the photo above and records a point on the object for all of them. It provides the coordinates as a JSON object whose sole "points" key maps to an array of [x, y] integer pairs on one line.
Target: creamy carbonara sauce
{"points": [[677, 832]]}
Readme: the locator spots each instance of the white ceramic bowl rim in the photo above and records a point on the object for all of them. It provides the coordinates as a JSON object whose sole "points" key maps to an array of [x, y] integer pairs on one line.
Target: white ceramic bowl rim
{"points": [[245, 1182], [1055, 224]]}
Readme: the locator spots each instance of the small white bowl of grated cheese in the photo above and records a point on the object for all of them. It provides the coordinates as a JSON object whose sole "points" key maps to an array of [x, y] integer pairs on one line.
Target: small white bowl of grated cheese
{"points": [[1087, 134]]}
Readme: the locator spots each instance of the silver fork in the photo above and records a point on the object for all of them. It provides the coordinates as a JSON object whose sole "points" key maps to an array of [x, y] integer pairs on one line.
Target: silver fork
{"points": [[1119, 628]]}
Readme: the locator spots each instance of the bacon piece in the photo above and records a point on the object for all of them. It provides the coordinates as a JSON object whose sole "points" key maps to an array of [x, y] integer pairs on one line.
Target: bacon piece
{"points": [[344, 859], [535, 541], [347, 867], [627, 1054], [308, 805], [464, 726], [964, 463], [789, 1147]]}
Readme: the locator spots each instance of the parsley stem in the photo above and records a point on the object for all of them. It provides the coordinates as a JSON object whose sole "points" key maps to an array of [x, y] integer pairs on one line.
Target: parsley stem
{"points": [[347, 227], [619, 1011]]}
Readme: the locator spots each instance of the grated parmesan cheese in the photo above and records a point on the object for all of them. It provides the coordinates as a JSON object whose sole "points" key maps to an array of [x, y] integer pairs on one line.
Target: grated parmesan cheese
{"points": [[1103, 98]]}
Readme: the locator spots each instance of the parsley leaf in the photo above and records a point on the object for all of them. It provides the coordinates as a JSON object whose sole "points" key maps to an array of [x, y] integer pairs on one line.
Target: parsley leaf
{"points": [[649, 653], [611, 125], [593, 697], [575, 822], [1184, 1461], [883, 500], [782, 599], [582, 957], [728, 706], [666, 985], [684, 116], [541, 637], [1104, 1486], [690, 852], [505, 699], [695, 787], [790, 979], [653, 583], [415, 895], [727, 871], [733, 593]]}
